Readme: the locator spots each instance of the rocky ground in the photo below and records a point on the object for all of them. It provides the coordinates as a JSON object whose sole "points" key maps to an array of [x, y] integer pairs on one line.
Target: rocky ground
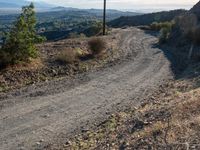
{"points": [[46, 67], [168, 119]]}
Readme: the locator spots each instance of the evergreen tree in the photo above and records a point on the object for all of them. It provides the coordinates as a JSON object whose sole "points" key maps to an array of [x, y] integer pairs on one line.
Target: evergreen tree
{"points": [[20, 41]]}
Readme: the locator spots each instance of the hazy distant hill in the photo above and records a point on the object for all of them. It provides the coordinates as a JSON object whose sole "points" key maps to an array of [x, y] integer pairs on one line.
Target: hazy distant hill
{"points": [[97, 11], [60, 8], [19, 3], [146, 19]]}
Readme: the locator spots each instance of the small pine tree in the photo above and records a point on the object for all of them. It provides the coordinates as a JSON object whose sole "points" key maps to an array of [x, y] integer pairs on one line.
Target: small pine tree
{"points": [[20, 42]]}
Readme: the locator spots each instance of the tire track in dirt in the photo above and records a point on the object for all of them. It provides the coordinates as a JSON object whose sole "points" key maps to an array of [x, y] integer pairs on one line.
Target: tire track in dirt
{"points": [[26, 120]]}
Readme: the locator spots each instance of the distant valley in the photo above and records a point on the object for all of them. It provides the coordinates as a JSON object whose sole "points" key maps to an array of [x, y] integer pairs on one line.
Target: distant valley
{"points": [[58, 22]]}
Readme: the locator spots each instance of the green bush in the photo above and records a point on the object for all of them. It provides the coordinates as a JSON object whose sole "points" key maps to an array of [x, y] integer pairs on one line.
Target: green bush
{"points": [[164, 34], [96, 46], [165, 29], [20, 42], [158, 26]]}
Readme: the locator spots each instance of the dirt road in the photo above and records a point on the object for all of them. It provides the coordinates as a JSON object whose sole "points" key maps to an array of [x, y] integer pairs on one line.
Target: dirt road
{"points": [[36, 115]]}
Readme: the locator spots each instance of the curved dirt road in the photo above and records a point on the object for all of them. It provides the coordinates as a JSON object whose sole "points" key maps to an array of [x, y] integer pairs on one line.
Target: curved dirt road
{"points": [[34, 116]]}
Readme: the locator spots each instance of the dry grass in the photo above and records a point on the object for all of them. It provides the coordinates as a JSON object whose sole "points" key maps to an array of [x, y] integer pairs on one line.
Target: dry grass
{"points": [[34, 64], [170, 119], [158, 26], [187, 110], [48, 68], [68, 56]]}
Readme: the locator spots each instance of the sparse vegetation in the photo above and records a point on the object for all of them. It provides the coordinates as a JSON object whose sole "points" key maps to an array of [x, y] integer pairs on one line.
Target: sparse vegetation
{"points": [[58, 59], [67, 56], [97, 46], [20, 42], [158, 26], [164, 34], [164, 28]]}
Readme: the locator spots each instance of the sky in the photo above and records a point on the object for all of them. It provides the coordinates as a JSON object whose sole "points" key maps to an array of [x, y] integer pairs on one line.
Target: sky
{"points": [[126, 4]]}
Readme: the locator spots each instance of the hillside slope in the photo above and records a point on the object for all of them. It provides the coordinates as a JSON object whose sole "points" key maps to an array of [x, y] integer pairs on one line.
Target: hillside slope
{"points": [[146, 19], [196, 10]]}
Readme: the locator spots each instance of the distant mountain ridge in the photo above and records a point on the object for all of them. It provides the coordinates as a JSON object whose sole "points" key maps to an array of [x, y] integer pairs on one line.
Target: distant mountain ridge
{"points": [[146, 19], [60, 8], [92, 10], [149, 18]]}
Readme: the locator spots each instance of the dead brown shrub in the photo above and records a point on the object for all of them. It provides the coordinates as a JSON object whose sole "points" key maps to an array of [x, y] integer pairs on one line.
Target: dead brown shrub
{"points": [[67, 56], [97, 46]]}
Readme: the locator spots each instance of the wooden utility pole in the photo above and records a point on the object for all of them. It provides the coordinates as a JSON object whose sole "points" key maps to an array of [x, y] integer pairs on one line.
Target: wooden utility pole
{"points": [[104, 18]]}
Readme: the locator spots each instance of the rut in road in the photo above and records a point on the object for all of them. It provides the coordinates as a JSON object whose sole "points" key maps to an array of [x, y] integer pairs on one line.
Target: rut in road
{"points": [[42, 113]]}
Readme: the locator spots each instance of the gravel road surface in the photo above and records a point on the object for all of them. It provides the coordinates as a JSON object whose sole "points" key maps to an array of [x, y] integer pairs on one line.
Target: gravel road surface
{"points": [[36, 115]]}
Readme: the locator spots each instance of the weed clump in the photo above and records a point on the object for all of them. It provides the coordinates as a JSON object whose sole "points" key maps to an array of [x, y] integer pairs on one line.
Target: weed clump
{"points": [[67, 56], [164, 34], [97, 46], [158, 26], [165, 29]]}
